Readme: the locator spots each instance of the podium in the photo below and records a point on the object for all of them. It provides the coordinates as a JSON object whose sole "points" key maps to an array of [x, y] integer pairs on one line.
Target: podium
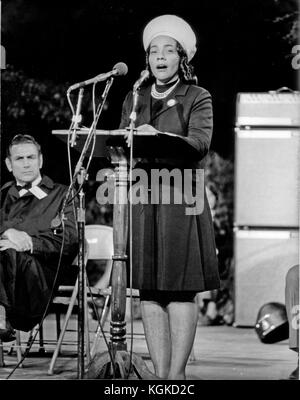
{"points": [[158, 145], [117, 362]]}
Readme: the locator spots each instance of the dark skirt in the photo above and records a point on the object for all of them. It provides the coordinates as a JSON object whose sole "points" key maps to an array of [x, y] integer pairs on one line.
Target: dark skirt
{"points": [[173, 251]]}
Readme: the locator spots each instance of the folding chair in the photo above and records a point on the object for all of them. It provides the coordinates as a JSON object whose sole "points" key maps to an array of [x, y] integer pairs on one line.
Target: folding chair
{"points": [[100, 246]]}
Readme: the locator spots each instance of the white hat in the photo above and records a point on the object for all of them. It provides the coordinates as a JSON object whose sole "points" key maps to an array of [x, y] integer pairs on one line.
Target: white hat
{"points": [[173, 26]]}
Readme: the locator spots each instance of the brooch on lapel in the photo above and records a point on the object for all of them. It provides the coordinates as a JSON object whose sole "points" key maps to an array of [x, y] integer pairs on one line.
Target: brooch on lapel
{"points": [[171, 102]]}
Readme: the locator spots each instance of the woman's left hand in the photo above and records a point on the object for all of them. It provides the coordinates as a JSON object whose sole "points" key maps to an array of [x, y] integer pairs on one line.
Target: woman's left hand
{"points": [[145, 128]]}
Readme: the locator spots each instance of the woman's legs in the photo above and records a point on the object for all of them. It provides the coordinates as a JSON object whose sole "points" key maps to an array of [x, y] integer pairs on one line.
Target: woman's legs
{"points": [[183, 317], [170, 322], [156, 326]]}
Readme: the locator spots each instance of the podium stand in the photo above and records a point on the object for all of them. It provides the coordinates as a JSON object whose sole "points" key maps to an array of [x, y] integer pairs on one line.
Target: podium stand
{"points": [[118, 362]]}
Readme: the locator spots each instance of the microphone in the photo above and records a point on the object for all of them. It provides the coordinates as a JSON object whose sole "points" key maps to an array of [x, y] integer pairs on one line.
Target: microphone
{"points": [[77, 117], [144, 75], [118, 70]]}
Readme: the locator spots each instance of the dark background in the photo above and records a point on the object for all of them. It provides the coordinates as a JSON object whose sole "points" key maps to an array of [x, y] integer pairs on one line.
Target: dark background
{"points": [[242, 46]]}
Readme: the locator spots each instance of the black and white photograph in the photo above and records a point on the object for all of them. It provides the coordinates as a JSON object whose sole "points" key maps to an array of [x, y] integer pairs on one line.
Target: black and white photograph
{"points": [[149, 193]]}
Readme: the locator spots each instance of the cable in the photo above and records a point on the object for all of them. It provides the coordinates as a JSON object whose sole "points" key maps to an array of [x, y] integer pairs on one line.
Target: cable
{"points": [[68, 152], [70, 103], [93, 100]]}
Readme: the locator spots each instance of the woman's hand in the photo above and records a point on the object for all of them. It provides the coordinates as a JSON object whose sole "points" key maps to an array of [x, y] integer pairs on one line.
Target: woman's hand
{"points": [[145, 128]]}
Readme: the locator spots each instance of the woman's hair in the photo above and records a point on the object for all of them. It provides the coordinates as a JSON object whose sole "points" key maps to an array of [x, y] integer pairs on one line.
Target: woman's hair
{"points": [[185, 71]]}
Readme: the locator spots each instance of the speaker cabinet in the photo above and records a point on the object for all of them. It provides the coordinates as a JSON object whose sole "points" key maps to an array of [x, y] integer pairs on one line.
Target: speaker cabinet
{"points": [[262, 259], [267, 178], [268, 109]]}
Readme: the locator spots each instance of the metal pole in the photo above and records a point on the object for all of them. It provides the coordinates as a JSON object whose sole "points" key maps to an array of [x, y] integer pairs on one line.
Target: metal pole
{"points": [[81, 285]]}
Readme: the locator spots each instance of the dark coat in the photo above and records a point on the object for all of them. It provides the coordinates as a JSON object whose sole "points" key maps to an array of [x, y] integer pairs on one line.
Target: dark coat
{"points": [[172, 250], [190, 116], [26, 279]]}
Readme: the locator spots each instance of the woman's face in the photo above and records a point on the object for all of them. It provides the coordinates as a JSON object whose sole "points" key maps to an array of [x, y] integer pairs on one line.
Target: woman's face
{"points": [[164, 59]]}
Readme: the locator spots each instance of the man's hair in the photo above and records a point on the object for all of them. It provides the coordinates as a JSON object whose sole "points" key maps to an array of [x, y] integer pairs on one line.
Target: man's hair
{"points": [[21, 139]]}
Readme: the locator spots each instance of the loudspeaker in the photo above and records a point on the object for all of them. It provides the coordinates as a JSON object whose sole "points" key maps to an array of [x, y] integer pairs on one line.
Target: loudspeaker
{"points": [[262, 260], [267, 178], [274, 108]]}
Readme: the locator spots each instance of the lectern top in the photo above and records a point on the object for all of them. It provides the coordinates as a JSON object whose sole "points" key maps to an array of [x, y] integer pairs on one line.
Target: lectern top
{"points": [[113, 132], [146, 144]]}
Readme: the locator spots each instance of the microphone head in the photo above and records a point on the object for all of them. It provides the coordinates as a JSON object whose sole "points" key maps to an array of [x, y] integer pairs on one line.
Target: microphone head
{"points": [[121, 68], [145, 74]]}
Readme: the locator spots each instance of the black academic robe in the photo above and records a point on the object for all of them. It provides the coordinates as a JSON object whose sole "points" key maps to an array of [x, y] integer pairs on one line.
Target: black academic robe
{"points": [[26, 278]]}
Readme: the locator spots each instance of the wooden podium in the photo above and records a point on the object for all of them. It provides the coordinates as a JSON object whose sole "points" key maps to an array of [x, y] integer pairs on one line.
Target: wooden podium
{"points": [[118, 363]]}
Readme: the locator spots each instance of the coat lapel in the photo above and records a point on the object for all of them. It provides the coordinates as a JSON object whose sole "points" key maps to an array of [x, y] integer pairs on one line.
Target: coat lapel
{"points": [[144, 106]]}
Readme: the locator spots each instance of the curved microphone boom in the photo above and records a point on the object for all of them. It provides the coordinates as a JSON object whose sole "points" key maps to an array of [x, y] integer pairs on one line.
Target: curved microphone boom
{"points": [[144, 75], [118, 70]]}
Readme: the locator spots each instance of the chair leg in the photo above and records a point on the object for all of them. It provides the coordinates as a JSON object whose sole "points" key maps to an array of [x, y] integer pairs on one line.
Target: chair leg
{"points": [[41, 340], [67, 318], [105, 311], [86, 321], [18, 347], [103, 318], [1, 355], [58, 328], [63, 331]]}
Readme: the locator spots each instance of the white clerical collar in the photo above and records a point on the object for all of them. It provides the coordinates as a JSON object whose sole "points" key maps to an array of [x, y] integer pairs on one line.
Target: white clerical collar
{"points": [[35, 190]]}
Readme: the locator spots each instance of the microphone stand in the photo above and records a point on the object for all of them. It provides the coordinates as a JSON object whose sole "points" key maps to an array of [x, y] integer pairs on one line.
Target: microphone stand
{"points": [[77, 117], [81, 277], [93, 126], [81, 227], [86, 144], [132, 116]]}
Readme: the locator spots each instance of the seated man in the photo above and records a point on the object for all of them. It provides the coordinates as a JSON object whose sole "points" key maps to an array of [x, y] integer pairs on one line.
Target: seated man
{"points": [[29, 247], [292, 308]]}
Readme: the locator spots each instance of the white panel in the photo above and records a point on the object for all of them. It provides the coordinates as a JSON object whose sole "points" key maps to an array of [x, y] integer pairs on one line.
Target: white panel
{"points": [[267, 178], [261, 265]]}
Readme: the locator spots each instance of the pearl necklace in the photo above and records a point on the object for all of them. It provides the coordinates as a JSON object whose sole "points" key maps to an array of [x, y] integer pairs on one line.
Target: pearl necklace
{"points": [[163, 95]]}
